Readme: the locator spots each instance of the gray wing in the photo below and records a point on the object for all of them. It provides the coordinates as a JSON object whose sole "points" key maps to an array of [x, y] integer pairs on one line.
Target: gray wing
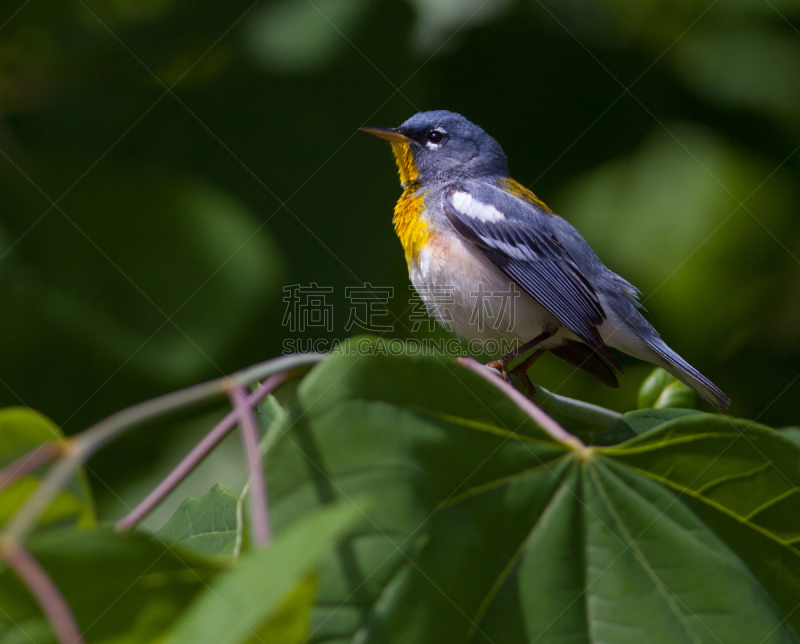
{"points": [[517, 239]]}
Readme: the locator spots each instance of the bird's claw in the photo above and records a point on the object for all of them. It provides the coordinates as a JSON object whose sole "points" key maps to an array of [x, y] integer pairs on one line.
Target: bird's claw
{"points": [[502, 367], [522, 373]]}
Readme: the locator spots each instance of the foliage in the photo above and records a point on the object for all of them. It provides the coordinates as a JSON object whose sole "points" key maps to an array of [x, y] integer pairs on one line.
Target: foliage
{"points": [[661, 389], [163, 259], [127, 587], [166, 167], [488, 530], [24, 432], [244, 604], [412, 500], [207, 524]]}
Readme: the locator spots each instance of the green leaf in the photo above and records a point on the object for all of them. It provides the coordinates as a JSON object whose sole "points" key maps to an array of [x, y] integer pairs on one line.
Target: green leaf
{"points": [[115, 584], [243, 600], [485, 530], [661, 389], [290, 623], [206, 525], [747, 470], [637, 422], [742, 479], [22, 431], [635, 528]]}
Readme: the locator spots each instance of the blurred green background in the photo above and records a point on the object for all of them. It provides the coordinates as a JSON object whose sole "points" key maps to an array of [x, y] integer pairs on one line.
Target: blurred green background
{"points": [[167, 167]]}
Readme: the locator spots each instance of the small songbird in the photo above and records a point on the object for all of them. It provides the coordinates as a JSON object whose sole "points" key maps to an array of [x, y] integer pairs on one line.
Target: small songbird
{"points": [[475, 240]]}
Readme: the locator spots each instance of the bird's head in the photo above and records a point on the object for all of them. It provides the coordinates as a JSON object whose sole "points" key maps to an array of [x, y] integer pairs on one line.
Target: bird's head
{"points": [[442, 146]]}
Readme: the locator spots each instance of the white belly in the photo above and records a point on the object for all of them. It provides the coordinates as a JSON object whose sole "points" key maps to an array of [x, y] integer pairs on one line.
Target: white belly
{"points": [[468, 295], [471, 297]]}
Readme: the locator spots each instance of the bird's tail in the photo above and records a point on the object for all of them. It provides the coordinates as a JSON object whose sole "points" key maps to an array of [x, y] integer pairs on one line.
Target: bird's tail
{"points": [[687, 374]]}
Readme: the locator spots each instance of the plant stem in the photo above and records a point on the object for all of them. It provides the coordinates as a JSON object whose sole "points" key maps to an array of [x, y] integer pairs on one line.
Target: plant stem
{"points": [[574, 409], [259, 505], [26, 517], [92, 439], [29, 461], [556, 431], [43, 589], [195, 456]]}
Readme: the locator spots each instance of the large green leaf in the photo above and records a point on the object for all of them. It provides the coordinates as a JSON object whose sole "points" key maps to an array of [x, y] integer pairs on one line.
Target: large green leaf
{"points": [[735, 466], [207, 525], [488, 531], [241, 602], [115, 585], [742, 479], [637, 422], [21, 432]]}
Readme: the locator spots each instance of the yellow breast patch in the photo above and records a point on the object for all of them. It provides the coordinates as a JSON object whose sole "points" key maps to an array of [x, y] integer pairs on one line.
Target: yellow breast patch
{"points": [[517, 189], [409, 225]]}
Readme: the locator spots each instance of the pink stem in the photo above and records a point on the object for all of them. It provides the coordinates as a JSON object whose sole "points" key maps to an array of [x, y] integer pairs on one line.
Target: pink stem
{"points": [[259, 505], [44, 590], [544, 421], [28, 462], [195, 457]]}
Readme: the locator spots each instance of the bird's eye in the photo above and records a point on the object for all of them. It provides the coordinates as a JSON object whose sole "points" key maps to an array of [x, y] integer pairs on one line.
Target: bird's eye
{"points": [[435, 136]]}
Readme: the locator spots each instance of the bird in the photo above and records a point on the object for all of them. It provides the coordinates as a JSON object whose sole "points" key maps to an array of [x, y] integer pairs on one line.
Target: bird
{"points": [[476, 241]]}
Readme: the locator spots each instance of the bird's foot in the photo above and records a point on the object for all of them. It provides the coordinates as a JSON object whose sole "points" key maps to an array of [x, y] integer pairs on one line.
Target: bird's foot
{"points": [[502, 366], [521, 371]]}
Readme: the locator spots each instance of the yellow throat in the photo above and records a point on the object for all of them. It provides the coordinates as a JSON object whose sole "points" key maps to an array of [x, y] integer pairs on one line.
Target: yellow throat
{"points": [[408, 222]]}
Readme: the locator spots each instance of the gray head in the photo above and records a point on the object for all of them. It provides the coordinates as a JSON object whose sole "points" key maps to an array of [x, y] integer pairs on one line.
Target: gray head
{"points": [[442, 145]]}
